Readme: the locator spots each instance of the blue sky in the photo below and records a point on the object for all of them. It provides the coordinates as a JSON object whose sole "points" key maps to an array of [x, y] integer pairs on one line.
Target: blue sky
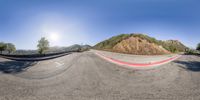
{"points": [[24, 22]]}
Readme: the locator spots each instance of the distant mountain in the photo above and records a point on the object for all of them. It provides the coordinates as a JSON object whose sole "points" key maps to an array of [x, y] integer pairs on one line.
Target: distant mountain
{"points": [[25, 52], [140, 44], [77, 47], [55, 49], [86, 47]]}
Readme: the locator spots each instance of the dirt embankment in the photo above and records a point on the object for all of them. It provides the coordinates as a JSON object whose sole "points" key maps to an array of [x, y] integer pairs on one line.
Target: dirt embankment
{"points": [[136, 45], [140, 44]]}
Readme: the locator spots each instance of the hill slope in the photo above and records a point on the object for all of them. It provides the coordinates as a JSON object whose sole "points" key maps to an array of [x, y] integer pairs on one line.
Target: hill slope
{"points": [[139, 44], [174, 46]]}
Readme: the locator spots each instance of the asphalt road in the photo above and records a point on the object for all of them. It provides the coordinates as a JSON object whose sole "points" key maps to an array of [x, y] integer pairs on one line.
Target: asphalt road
{"points": [[85, 76]]}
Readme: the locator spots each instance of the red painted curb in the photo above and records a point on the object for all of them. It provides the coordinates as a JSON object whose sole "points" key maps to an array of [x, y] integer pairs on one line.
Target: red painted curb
{"points": [[137, 64]]}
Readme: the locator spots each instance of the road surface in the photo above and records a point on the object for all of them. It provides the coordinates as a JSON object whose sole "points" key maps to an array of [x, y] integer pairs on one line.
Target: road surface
{"points": [[134, 58], [85, 76]]}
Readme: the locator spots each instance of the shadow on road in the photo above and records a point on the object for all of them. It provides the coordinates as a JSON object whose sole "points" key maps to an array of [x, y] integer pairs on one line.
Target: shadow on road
{"points": [[15, 66], [190, 65]]}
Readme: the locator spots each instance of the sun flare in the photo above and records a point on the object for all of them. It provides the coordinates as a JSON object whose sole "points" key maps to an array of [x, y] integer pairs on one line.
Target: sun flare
{"points": [[54, 37]]}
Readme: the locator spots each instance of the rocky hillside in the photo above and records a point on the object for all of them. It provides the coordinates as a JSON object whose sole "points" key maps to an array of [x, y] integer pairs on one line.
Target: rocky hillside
{"points": [[140, 44], [174, 46]]}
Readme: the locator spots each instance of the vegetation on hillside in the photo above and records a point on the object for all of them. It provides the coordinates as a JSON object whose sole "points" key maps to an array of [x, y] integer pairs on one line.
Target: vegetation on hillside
{"points": [[174, 46], [170, 45], [111, 42]]}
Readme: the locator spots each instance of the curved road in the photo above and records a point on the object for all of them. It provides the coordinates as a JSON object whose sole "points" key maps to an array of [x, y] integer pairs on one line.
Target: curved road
{"points": [[85, 76]]}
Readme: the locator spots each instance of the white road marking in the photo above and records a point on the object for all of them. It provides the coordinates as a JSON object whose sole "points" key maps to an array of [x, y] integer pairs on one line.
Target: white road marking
{"points": [[59, 64]]}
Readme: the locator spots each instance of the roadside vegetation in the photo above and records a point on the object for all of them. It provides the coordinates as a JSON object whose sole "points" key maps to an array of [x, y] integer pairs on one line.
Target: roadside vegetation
{"points": [[198, 47], [44, 49], [43, 45], [111, 42], [194, 51], [7, 47]]}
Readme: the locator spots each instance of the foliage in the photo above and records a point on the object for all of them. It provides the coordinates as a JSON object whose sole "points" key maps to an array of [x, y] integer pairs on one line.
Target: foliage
{"points": [[174, 46], [173, 49], [2, 47], [50, 51], [192, 52], [10, 47], [198, 46], [43, 45], [110, 43]]}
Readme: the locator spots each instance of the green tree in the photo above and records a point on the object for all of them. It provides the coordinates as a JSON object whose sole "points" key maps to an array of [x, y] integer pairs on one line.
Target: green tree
{"points": [[2, 47], [43, 45], [198, 47], [10, 47]]}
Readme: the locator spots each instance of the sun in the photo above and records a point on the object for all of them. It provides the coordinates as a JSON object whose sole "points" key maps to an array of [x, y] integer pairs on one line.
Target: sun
{"points": [[54, 37]]}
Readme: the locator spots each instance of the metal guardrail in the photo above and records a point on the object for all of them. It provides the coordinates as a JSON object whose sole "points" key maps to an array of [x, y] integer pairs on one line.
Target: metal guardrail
{"points": [[34, 55], [35, 58]]}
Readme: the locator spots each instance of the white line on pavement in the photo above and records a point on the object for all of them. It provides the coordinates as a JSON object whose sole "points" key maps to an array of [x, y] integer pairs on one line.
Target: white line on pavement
{"points": [[59, 64]]}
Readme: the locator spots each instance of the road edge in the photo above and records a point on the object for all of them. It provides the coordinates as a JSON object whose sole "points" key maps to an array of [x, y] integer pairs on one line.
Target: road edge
{"points": [[138, 65]]}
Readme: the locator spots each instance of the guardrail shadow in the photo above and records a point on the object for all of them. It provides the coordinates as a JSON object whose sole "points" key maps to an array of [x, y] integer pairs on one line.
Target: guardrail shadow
{"points": [[190, 65], [15, 66]]}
